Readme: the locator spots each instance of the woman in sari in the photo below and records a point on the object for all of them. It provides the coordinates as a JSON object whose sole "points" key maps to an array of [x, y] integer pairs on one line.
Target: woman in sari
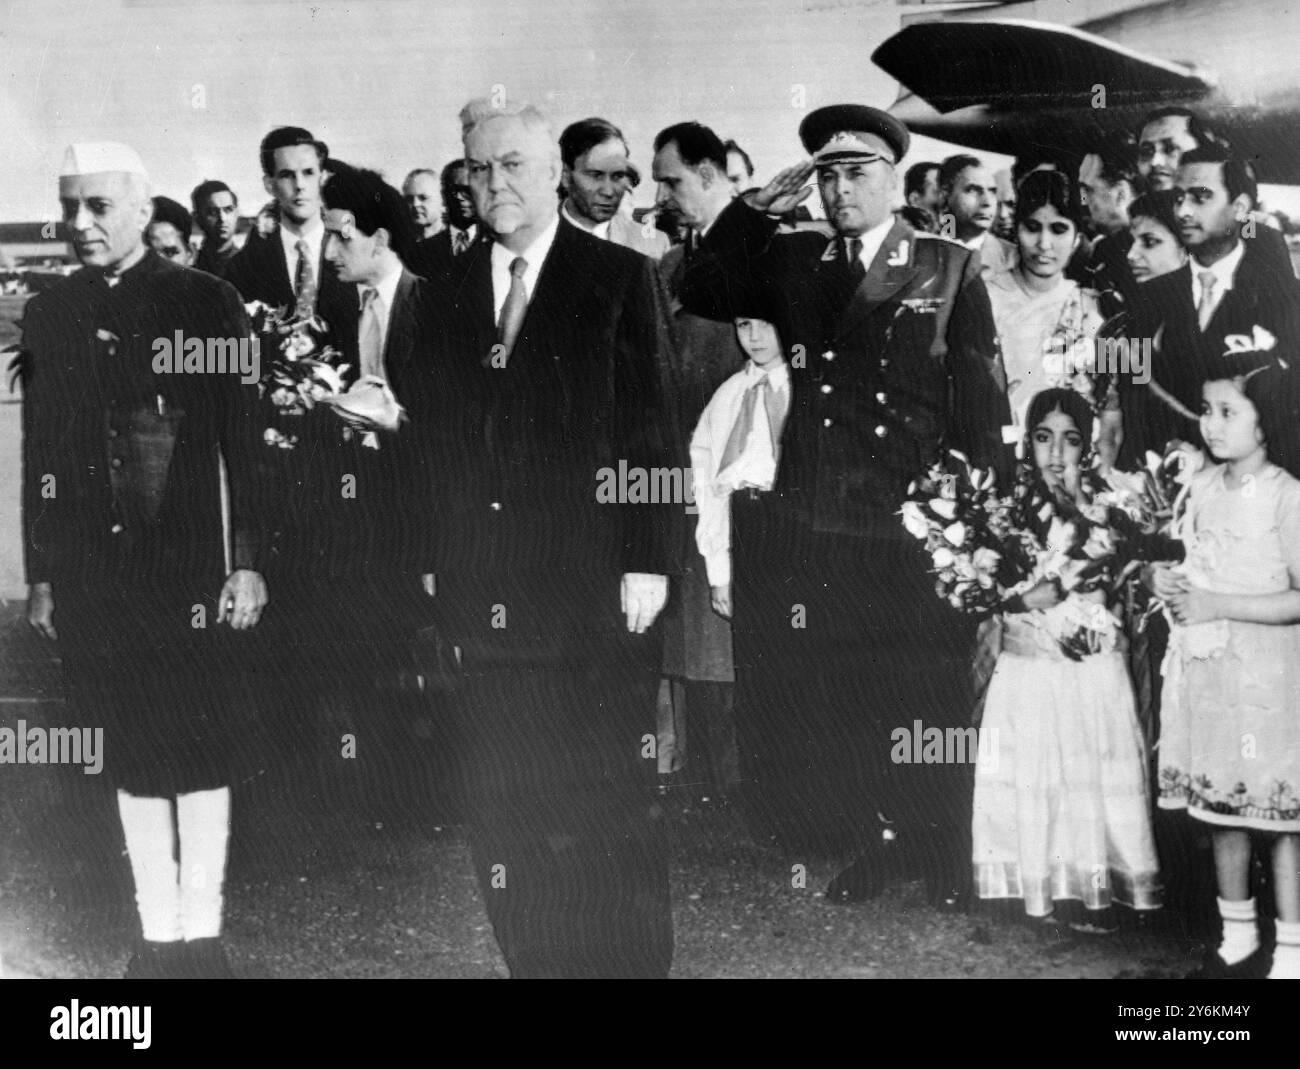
{"points": [[1046, 323]]}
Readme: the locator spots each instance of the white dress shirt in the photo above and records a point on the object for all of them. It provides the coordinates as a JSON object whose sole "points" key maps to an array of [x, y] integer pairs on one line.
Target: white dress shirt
{"points": [[756, 465], [534, 256], [1224, 272], [313, 233]]}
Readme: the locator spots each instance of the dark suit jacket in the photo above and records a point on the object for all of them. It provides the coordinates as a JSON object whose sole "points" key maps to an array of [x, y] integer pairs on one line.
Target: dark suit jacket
{"points": [[886, 373], [261, 273], [531, 547], [374, 533], [434, 259], [121, 477], [1181, 355]]}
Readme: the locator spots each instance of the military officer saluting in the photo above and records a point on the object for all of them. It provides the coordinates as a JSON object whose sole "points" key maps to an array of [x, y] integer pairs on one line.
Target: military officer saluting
{"points": [[839, 637]]}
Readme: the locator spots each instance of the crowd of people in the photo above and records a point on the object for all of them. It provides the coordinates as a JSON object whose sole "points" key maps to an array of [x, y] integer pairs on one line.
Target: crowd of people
{"points": [[465, 387]]}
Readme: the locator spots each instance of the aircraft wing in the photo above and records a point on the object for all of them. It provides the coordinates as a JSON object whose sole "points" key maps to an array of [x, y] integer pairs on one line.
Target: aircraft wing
{"points": [[1010, 64]]}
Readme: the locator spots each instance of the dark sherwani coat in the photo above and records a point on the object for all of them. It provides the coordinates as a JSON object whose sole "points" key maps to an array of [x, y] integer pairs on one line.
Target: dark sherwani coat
{"points": [[123, 515]]}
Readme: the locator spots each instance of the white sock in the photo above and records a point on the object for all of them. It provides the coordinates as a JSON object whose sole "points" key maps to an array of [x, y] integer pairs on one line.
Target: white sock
{"points": [[1240, 932], [151, 845], [204, 821], [1286, 955]]}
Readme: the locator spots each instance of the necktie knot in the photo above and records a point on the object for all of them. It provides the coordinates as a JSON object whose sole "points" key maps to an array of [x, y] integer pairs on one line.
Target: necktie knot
{"points": [[302, 247], [855, 250], [518, 266], [368, 297]]}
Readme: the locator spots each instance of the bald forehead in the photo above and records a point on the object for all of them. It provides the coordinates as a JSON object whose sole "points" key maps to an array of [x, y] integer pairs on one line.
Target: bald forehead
{"points": [[423, 182]]}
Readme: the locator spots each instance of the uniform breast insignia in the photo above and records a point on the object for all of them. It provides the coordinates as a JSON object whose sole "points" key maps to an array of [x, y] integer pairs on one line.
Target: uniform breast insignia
{"points": [[923, 305], [899, 257]]}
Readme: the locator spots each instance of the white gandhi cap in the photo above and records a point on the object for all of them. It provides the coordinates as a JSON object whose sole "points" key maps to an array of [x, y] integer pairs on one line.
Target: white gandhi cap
{"points": [[96, 157]]}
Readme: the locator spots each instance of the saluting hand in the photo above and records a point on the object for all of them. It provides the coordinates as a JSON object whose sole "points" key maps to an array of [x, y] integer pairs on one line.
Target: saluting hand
{"points": [[785, 192], [242, 599]]}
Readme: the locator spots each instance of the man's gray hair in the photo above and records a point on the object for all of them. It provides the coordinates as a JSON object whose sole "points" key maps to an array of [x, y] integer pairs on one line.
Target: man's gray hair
{"points": [[483, 109]]}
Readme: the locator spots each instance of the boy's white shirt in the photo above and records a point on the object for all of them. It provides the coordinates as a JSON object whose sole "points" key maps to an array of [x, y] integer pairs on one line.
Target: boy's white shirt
{"points": [[756, 465]]}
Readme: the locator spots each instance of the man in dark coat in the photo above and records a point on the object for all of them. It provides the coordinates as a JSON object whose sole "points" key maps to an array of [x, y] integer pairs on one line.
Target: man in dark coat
{"points": [[287, 269], [839, 638], [1186, 326], [138, 391], [553, 568], [689, 170]]}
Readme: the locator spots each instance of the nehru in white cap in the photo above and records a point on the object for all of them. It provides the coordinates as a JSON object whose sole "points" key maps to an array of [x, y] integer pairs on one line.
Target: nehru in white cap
{"points": [[104, 193]]}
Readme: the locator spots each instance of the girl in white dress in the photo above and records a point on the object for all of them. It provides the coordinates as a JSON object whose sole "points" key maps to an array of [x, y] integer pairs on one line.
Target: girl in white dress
{"points": [[1061, 800], [1230, 726]]}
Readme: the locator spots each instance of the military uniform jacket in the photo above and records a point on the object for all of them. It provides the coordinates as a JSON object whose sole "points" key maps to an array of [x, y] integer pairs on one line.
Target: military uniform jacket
{"points": [[888, 370], [121, 463]]}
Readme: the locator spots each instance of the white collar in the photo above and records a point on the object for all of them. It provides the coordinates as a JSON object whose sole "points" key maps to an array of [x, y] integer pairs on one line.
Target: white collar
{"points": [[1224, 270], [778, 375], [600, 230], [312, 232], [535, 254], [386, 288], [872, 240]]}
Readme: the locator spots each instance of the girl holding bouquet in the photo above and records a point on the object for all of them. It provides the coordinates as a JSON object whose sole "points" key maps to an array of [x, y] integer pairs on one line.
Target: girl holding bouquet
{"points": [[1230, 733], [1061, 785]]}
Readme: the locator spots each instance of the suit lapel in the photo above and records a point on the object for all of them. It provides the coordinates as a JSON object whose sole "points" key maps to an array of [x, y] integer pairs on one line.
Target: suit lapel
{"points": [[892, 268], [551, 302], [474, 298], [401, 321], [278, 264]]}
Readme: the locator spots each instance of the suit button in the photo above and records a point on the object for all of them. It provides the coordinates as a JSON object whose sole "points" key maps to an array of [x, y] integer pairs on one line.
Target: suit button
{"points": [[827, 422], [881, 397], [880, 430], [827, 387], [828, 355], [112, 433], [116, 462], [118, 528], [884, 361], [495, 506]]}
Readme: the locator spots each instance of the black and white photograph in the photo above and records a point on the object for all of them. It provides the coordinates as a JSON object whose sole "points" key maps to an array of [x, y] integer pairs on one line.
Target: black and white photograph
{"points": [[550, 489]]}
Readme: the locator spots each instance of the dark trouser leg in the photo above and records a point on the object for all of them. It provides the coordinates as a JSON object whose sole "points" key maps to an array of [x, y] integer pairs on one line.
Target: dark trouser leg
{"points": [[712, 756], [563, 822]]}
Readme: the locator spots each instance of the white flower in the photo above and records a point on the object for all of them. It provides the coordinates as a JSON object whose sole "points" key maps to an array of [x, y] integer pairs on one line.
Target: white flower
{"points": [[944, 557], [296, 346], [1258, 341], [955, 533], [1100, 543], [985, 559], [914, 519], [943, 507]]}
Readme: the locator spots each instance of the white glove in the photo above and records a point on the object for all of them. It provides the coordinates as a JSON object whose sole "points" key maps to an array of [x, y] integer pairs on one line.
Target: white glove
{"points": [[642, 598]]}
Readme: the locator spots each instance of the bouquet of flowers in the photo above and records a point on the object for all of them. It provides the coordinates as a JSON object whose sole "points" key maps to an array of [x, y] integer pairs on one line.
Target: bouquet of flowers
{"points": [[988, 548], [969, 529], [305, 372]]}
